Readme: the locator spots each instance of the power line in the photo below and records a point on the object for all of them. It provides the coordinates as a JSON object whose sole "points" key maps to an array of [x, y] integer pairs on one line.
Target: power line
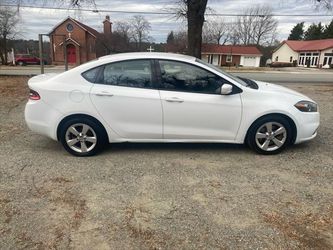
{"points": [[161, 12]]}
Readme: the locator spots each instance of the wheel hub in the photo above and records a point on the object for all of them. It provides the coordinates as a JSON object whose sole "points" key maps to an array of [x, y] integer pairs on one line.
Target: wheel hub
{"points": [[81, 138], [271, 136]]}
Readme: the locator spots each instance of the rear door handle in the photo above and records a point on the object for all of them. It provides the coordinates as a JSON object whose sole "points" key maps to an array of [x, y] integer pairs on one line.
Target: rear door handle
{"points": [[174, 99], [104, 93]]}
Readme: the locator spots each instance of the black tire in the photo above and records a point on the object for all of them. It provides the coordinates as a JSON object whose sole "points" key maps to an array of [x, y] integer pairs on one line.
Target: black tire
{"points": [[95, 130], [20, 63], [268, 145]]}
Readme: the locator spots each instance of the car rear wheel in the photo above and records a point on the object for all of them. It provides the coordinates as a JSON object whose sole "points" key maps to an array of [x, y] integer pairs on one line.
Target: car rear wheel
{"points": [[82, 137], [20, 63], [269, 135]]}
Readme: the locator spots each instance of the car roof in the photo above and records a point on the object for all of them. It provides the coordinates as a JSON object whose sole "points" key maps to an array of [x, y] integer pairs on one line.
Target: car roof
{"points": [[150, 55]]}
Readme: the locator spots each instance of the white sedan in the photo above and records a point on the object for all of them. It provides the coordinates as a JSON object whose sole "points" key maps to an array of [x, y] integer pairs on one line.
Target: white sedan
{"points": [[162, 97]]}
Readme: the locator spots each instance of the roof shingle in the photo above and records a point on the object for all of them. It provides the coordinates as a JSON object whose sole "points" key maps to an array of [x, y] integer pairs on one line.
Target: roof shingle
{"points": [[230, 49], [311, 45]]}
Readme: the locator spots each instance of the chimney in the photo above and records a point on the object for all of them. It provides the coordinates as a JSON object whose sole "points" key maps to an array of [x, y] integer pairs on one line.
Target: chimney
{"points": [[107, 25]]}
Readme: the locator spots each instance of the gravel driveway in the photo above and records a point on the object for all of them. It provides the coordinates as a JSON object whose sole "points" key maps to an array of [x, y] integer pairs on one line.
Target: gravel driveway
{"points": [[163, 196]]}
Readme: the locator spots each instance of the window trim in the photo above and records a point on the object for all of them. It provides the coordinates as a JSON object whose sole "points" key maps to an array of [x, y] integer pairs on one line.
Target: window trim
{"points": [[236, 89]]}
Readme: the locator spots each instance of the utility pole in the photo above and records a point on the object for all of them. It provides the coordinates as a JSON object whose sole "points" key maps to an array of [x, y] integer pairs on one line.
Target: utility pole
{"points": [[41, 61], [65, 54]]}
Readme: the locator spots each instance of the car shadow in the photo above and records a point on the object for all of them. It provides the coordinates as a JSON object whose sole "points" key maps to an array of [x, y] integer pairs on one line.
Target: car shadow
{"points": [[126, 146]]}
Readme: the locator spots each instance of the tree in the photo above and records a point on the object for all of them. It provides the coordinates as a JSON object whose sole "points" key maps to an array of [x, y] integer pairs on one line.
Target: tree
{"points": [[195, 18], [8, 22], [297, 32], [194, 12], [327, 4], [256, 26], [170, 38], [328, 31], [216, 31], [176, 42], [124, 30], [314, 32], [140, 28]]}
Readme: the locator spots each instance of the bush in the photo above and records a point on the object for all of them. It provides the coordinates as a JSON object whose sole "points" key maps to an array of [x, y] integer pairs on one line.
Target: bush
{"points": [[331, 66], [281, 64]]}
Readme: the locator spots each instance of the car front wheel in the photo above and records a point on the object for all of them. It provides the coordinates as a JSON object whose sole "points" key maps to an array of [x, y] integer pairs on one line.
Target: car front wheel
{"points": [[270, 135], [82, 137]]}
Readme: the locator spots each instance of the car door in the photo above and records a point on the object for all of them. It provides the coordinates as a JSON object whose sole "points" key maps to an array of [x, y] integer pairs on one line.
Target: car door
{"points": [[193, 107], [125, 97]]}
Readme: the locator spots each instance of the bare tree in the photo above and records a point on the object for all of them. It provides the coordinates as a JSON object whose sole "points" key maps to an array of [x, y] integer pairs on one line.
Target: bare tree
{"points": [[328, 4], [216, 31], [8, 22], [140, 28], [256, 26], [194, 12], [178, 43], [124, 30], [68, 3]]}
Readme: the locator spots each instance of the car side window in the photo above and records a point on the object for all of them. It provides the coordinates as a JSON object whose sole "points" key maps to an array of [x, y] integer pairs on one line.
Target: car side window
{"points": [[91, 74], [131, 73], [179, 76]]}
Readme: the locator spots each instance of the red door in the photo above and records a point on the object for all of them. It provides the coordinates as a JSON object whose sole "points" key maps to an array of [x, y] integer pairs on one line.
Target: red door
{"points": [[71, 53]]}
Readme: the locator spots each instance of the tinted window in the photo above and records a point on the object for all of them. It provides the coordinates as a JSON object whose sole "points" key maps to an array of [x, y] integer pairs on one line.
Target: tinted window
{"points": [[180, 76], [136, 73], [91, 74]]}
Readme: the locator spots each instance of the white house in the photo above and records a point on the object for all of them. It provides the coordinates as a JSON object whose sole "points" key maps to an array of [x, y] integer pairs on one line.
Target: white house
{"points": [[231, 55], [313, 53]]}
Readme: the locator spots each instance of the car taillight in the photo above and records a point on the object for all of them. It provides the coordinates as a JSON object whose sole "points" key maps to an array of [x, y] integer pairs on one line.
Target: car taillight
{"points": [[33, 95]]}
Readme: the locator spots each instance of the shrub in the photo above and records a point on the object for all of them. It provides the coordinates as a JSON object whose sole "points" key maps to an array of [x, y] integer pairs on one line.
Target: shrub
{"points": [[281, 64]]}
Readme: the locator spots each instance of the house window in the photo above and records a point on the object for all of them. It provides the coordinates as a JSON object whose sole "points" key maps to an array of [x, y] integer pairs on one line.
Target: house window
{"points": [[69, 27], [309, 59], [328, 59], [291, 59], [229, 58], [276, 59]]}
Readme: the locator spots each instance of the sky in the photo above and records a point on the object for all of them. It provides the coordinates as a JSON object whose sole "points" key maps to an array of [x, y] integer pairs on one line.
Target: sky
{"points": [[35, 20]]}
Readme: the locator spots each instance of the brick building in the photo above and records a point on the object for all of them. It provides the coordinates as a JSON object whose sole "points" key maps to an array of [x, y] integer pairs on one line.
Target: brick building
{"points": [[80, 41]]}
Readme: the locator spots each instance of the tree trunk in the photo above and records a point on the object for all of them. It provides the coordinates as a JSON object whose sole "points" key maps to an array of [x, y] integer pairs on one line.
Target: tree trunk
{"points": [[5, 49], [195, 19], [3, 62]]}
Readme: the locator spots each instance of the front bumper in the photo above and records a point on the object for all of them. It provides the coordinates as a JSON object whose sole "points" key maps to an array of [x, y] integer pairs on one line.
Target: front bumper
{"points": [[307, 126]]}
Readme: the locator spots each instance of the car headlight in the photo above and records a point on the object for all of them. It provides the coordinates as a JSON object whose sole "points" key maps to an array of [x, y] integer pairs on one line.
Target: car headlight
{"points": [[306, 106]]}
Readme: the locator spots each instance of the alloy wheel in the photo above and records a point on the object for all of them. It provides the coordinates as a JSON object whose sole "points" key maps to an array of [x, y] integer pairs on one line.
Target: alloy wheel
{"points": [[81, 138], [271, 136]]}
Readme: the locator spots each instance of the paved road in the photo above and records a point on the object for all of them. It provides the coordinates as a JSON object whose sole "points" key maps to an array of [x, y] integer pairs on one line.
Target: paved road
{"points": [[303, 76], [289, 77], [29, 70]]}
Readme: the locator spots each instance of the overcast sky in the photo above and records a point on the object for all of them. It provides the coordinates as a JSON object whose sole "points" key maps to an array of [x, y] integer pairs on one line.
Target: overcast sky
{"points": [[35, 21]]}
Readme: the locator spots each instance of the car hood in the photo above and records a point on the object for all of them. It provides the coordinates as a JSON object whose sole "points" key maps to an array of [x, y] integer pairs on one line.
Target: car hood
{"points": [[270, 87]]}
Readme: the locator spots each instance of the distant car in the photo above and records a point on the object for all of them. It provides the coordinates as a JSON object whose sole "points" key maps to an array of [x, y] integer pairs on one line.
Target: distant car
{"points": [[24, 59], [162, 97]]}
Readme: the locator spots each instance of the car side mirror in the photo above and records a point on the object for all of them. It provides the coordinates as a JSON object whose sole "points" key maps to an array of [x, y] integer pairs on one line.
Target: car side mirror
{"points": [[226, 89]]}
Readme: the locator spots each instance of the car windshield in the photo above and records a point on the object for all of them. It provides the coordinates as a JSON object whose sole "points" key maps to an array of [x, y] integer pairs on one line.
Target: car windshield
{"points": [[222, 72]]}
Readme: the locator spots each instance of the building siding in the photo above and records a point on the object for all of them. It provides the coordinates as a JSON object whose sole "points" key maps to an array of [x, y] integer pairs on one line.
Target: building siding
{"points": [[284, 53]]}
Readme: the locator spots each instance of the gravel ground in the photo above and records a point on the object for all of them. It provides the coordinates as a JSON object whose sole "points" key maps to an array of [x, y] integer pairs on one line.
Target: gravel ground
{"points": [[163, 196]]}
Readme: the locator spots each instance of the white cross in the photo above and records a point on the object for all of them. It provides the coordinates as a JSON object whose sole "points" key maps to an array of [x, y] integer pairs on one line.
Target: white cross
{"points": [[150, 49]]}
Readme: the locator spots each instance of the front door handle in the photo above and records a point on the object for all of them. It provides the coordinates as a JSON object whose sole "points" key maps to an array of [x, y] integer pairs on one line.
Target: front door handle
{"points": [[104, 93], [174, 99]]}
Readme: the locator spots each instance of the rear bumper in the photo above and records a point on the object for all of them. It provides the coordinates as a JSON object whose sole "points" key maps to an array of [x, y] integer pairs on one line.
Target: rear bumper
{"points": [[308, 124], [40, 118]]}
